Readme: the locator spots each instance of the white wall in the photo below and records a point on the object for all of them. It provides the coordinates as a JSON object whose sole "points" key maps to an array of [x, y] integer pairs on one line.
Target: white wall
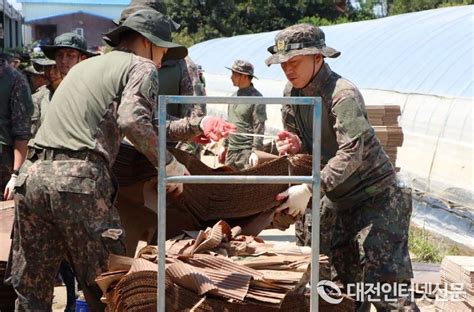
{"points": [[32, 11]]}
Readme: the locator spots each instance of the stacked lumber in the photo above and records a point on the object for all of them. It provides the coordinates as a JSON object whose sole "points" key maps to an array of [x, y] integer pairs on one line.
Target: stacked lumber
{"points": [[457, 279], [7, 294], [384, 119], [215, 270]]}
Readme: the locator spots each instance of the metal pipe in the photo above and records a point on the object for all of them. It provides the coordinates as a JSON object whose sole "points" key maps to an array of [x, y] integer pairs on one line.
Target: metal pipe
{"points": [[202, 179], [162, 179], [314, 301], [162, 101], [175, 99]]}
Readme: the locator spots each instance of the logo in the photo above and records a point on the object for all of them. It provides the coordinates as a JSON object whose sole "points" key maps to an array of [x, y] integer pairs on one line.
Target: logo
{"points": [[325, 287], [280, 45]]}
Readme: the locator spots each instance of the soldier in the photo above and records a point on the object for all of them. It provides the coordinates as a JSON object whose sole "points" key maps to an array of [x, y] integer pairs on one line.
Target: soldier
{"points": [[358, 179], [65, 193], [15, 123], [15, 60], [42, 97], [68, 50], [202, 80], [177, 77], [35, 78], [238, 151]]}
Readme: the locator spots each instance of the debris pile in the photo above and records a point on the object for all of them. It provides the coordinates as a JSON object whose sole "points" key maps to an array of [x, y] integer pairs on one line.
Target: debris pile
{"points": [[213, 269], [457, 278]]}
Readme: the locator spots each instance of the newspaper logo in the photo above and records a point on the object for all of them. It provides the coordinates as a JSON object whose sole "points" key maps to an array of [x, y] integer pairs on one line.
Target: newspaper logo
{"points": [[325, 288]]}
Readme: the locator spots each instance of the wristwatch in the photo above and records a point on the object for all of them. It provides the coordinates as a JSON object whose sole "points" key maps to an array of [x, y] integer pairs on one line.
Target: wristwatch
{"points": [[16, 171]]}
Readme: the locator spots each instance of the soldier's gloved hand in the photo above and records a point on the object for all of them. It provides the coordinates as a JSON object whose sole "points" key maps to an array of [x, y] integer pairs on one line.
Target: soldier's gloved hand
{"points": [[216, 128], [8, 193], [287, 143], [253, 160], [175, 168], [296, 199], [221, 155]]}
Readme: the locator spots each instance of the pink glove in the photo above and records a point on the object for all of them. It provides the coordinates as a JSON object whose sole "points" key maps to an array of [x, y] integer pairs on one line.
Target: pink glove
{"points": [[216, 128], [287, 143]]}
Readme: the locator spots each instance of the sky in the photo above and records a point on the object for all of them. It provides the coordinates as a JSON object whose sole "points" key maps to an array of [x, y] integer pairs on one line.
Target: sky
{"points": [[15, 4]]}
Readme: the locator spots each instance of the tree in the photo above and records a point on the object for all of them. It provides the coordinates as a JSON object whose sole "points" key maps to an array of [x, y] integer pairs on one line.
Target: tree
{"points": [[207, 19]]}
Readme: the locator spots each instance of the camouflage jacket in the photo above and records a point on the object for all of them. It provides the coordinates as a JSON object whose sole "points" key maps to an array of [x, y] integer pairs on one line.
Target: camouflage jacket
{"points": [[41, 101], [16, 106], [248, 119], [355, 165], [177, 77], [120, 104]]}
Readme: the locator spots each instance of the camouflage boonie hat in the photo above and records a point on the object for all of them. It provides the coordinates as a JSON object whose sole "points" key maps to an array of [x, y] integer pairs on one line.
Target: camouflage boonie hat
{"points": [[69, 41], [136, 5], [152, 25], [40, 64], [31, 70], [242, 67], [300, 39]]}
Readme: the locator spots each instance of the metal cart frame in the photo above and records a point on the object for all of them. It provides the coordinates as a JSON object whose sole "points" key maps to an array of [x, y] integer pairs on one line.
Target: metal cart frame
{"points": [[314, 179]]}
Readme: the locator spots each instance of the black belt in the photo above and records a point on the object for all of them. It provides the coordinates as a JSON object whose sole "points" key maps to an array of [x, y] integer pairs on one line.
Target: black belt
{"points": [[60, 154]]}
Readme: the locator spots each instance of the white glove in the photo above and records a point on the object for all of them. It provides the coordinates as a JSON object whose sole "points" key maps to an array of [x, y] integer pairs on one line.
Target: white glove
{"points": [[8, 193], [297, 199], [175, 168], [253, 160]]}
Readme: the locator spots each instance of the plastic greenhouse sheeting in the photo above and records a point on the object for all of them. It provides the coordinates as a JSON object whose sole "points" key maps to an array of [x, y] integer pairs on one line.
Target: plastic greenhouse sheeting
{"points": [[428, 52]]}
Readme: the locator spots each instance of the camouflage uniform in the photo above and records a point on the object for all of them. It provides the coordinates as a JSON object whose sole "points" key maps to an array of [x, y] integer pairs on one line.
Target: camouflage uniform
{"points": [[65, 192], [248, 119], [15, 116], [362, 197], [177, 77], [41, 100]]}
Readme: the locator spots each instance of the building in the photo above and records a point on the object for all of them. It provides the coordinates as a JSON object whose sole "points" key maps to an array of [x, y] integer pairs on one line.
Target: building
{"points": [[10, 26], [46, 19]]}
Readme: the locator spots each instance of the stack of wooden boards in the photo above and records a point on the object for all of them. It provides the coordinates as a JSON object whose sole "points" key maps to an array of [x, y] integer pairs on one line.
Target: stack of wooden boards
{"points": [[215, 270], [457, 285], [384, 119]]}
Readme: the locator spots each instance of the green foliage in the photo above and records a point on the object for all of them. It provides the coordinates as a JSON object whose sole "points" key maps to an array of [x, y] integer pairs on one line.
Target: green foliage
{"points": [[427, 248], [207, 19]]}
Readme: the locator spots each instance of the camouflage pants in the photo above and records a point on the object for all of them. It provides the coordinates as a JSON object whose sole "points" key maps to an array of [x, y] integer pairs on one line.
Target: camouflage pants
{"points": [[371, 238], [6, 166], [238, 159], [63, 209], [367, 242]]}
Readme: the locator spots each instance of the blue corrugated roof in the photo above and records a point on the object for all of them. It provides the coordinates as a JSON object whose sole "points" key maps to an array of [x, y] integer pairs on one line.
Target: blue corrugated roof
{"points": [[90, 2], [429, 52]]}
